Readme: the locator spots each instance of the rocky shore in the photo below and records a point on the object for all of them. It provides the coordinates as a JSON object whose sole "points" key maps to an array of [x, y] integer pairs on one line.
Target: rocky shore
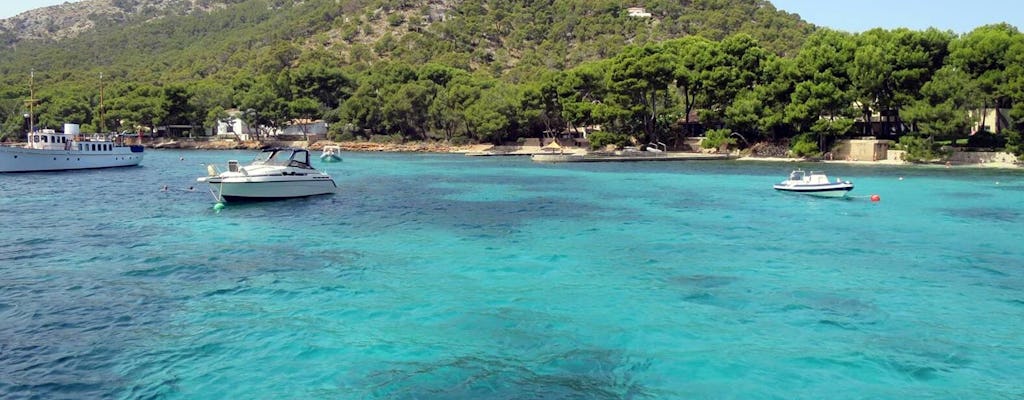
{"points": [[421, 147]]}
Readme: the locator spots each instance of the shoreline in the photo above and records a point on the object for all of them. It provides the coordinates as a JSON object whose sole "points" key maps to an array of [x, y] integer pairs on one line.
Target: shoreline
{"points": [[435, 147], [416, 147], [896, 163]]}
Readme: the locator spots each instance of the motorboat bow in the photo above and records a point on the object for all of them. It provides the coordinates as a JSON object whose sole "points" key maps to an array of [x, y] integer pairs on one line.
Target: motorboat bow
{"points": [[814, 183], [276, 173]]}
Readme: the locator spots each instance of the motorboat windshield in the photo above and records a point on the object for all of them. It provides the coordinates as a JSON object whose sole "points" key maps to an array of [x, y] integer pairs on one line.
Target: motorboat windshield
{"points": [[266, 157], [299, 158], [796, 175], [281, 157]]}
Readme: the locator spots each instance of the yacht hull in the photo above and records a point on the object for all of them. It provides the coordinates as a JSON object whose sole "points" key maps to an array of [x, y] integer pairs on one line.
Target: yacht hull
{"points": [[19, 159]]}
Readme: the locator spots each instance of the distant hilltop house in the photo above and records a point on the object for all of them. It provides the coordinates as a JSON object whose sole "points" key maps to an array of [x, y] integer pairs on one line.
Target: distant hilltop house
{"points": [[235, 128], [638, 12]]}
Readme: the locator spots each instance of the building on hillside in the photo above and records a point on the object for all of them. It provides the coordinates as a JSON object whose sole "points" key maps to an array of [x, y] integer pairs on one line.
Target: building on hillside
{"points": [[881, 124], [235, 128], [992, 120], [174, 131], [690, 125], [887, 124], [638, 12], [863, 149], [305, 127]]}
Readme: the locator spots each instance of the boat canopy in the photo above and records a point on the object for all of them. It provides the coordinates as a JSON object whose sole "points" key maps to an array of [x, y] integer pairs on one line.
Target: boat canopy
{"points": [[283, 156]]}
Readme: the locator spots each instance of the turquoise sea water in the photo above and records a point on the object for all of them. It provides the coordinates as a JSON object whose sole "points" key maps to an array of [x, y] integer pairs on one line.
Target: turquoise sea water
{"points": [[450, 277]]}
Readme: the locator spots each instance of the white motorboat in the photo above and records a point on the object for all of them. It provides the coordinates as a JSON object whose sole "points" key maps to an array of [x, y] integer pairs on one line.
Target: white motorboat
{"points": [[48, 150], [815, 184], [276, 173], [330, 154]]}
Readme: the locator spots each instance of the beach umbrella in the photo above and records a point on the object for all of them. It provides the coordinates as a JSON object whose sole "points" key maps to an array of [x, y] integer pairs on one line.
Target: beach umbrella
{"points": [[553, 146]]}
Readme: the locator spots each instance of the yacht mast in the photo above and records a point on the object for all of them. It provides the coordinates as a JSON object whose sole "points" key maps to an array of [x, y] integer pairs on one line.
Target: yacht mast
{"points": [[31, 102], [102, 125]]}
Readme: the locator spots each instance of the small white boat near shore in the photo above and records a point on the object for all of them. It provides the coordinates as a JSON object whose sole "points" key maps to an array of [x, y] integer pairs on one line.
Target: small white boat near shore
{"points": [[49, 150], [814, 183], [331, 154], [276, 173]]}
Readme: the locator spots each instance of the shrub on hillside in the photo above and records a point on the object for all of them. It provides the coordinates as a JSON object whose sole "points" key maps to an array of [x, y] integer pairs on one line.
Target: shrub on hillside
{"points": [[986, 140], [600, 139], [805, 145], [919, 148], [1015, 143], [716, 138]]}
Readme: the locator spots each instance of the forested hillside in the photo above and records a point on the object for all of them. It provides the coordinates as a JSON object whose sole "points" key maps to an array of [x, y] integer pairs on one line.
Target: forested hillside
{"points": [[168, 38], [486, 70]]}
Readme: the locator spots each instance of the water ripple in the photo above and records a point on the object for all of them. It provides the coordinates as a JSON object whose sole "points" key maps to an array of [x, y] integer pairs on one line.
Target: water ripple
{"points": [[438, 276]]}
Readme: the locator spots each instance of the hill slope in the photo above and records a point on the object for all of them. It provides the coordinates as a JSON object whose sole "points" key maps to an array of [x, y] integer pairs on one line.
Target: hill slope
{"points": [[161, 40], [69, 20]]}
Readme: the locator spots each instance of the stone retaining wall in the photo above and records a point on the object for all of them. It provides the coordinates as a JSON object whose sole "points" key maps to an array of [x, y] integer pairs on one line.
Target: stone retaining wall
{"points": [[982, 157]]}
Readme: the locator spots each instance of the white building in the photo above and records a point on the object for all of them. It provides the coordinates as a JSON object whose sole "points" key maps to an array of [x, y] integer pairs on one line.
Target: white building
{"points": [[235, 128], [639, 12], [305, 127]]}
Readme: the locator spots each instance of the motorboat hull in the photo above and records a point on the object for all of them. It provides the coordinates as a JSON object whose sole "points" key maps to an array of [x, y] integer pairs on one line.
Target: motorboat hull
{"points": [[20, 159], [330, 158], [830, 190], [261, 188]]}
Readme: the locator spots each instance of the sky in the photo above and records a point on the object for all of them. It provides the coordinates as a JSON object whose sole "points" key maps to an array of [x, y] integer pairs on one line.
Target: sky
{"points": [[10, 8], [959, 16]]}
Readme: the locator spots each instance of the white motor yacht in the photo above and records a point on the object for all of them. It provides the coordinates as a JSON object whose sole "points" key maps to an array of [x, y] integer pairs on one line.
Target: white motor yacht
{"points": [[276, 173], [815, 184], [48, 150]]}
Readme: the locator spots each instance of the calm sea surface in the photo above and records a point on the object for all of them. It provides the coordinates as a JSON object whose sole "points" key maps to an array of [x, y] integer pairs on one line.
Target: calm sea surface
{"points": [[451, 277]]}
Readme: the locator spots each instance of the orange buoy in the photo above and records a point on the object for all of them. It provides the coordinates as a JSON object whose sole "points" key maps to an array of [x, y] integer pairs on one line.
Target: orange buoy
{"points": [[875, 198]]}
